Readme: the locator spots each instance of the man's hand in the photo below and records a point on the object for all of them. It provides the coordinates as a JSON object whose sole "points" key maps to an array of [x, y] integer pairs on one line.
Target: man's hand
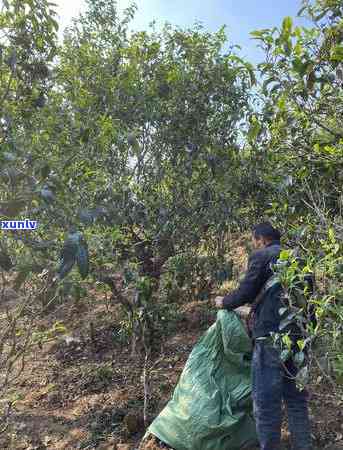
{"points": [[218, 301]]}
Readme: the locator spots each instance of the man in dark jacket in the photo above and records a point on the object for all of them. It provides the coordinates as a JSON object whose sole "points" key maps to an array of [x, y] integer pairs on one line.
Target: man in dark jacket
{"points": [[272, 381]]}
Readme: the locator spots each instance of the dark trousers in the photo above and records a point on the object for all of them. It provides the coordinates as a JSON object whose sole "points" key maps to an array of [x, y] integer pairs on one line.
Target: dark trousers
{"points": [[271, 386]]}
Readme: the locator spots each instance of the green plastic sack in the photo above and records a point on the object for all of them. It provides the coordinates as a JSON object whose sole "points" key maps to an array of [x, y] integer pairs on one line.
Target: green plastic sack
{"points": [[211, 407]]}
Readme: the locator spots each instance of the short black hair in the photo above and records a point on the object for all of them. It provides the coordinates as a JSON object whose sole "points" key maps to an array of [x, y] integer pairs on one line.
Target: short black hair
{"points": [[267, 231]]}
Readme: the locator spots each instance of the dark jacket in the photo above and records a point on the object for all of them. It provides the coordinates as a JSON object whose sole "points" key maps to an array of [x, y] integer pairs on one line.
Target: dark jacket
{"points": [[267, 318]]}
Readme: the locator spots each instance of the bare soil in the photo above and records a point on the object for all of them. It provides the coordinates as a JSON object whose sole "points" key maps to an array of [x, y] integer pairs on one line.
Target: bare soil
{"points": [[85, 391]]}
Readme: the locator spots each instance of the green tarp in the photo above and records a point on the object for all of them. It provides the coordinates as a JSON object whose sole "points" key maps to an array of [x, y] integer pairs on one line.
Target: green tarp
{"points": [[211, 407]]}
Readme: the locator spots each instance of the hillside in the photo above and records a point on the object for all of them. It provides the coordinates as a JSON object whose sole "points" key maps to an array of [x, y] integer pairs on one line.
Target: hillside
{"points": [[86, 391]]}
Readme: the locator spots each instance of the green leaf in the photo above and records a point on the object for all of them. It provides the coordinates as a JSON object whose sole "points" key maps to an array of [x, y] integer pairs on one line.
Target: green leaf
{"points": [[256, 33], [255, 128], [282, 103], [45, 171], [284, 255], [299, 359], [301, 344], [302, 378], [251, 71], [336, 53], [287, 25], [331, 234], [59, 327], [287, 341], [297, 63], [288, 47], [285, 355]]}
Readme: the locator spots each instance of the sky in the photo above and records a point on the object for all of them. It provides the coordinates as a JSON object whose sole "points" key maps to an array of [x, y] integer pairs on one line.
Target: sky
{"points": [[239, 16]]}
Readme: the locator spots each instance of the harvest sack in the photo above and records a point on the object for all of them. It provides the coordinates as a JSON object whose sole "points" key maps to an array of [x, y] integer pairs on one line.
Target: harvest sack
{"points": [[211, 407]]}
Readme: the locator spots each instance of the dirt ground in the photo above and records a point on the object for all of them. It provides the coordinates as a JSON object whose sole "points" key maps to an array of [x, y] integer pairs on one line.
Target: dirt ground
{"points": [[76, 395], [85, 390]]}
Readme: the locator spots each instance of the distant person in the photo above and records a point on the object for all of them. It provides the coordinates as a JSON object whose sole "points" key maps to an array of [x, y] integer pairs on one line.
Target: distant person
{"points": [[271, 382]]}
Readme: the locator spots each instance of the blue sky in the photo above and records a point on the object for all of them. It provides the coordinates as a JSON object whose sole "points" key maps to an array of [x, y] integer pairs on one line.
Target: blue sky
{"points": [[239, 16]]}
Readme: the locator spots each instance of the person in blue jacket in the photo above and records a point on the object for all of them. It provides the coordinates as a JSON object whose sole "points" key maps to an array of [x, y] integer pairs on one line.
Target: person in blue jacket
{"points": [[273, 381]]}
